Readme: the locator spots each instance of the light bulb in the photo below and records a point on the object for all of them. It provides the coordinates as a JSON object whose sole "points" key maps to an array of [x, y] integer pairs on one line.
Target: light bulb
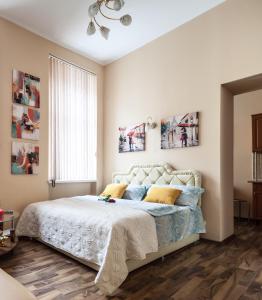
{"points": [[93, 9], [104, 32], [118, 4], [91, 29], [126, 20]]}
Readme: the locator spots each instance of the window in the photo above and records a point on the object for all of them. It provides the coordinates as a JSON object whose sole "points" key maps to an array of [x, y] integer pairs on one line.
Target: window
{"points": [[72, 123]]}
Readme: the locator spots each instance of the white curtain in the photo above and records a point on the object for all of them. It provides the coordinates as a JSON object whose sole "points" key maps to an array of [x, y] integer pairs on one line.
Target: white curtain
{"points": [[73, 122]]}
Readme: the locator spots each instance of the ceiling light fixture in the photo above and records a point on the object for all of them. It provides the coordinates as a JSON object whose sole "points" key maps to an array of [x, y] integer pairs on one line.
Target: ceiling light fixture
{"points": [[96, 8]]}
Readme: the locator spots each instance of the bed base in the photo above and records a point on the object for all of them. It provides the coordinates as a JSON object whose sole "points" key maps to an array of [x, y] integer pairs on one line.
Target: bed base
{"points": [[136, 264]]}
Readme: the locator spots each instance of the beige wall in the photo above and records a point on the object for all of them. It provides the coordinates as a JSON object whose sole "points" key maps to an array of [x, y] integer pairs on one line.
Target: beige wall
{"points": [[28, 52], [245, 105], [226, 162], [182, 71]]}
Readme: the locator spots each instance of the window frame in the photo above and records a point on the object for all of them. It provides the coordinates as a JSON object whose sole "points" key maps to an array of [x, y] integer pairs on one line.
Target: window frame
{"points": [[50, 116]]}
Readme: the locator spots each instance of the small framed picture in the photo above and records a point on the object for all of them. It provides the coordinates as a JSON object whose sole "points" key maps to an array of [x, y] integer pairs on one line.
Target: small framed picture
{"points": [[24, 158], [132, 139], [180, 131], [26, 89]]}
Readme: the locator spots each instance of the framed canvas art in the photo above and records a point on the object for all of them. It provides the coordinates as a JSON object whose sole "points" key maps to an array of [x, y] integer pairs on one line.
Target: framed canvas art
{"points": [[180, 131], [132, 139], [26, 89], [25, 122], [25, 158]]}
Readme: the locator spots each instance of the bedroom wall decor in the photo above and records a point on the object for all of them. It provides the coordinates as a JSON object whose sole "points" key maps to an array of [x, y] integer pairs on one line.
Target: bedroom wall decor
{"points": [[26, 89], [132, 139], [32, 57], [25, 122], [25, 158], [180, 131]]}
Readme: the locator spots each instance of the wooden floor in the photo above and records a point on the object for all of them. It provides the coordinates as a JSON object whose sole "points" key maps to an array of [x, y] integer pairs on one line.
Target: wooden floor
{"points": [[207, 270]]}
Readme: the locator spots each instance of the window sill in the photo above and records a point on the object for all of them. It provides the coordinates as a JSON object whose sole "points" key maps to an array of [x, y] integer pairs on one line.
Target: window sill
{"points": [[73, 181]]}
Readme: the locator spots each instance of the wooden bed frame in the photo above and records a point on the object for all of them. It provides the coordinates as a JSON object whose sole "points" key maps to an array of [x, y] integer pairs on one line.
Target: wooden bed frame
{"points": [[152, 174]]}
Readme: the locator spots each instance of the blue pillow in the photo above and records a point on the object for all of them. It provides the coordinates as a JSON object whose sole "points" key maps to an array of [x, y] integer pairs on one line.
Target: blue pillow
{"points": [[135, 192], [190, 194]]}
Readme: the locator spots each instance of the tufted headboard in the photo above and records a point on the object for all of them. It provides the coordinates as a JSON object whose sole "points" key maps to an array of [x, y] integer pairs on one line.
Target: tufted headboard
{"points": [[158, 174], [161, 173]]}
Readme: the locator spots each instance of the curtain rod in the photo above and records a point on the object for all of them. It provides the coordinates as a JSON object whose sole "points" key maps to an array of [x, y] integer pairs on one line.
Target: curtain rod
{"points": [[70, 63]]}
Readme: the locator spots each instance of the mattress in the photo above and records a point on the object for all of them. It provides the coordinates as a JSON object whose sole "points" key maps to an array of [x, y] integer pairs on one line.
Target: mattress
{"points": [[173, 222]]}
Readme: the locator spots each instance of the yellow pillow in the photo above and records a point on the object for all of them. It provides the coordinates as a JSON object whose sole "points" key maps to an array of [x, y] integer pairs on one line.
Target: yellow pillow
{"points": [[116, 190], [162, 195]]}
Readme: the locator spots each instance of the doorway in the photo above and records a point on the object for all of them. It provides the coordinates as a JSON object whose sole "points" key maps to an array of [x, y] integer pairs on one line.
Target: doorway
{"points": [[245, 105], [230, 93]]}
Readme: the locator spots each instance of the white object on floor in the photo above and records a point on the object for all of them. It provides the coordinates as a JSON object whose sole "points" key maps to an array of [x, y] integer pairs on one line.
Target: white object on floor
{"points": [[11, 289]]}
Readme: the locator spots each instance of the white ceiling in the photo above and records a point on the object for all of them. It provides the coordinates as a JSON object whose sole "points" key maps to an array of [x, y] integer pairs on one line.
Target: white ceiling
{"points": [[65, 22]]}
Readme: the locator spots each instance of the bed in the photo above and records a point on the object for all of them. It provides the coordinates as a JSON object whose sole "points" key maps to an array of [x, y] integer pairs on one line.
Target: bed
{"points": [[115, 239]]}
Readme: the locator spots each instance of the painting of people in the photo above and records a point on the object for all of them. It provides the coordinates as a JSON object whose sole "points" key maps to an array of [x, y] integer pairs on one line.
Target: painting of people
{"points": [[25, 158], [132, 139], [25, 122], [26, 89], [180, 131]]}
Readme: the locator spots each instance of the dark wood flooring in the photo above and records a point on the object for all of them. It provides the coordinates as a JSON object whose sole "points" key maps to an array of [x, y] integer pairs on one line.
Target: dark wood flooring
{"points": [[206, 270]]}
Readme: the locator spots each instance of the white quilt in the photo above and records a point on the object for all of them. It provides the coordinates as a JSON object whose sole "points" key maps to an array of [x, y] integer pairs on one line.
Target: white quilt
{"points": [[102, 233]]}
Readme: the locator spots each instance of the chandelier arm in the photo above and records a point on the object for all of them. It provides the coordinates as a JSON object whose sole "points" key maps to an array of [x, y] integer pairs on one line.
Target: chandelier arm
{"points": [[97, 22], [105, 16]]}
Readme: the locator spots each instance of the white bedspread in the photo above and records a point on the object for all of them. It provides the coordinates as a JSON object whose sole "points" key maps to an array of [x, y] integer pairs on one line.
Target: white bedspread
{"points": [[101, 233]]}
